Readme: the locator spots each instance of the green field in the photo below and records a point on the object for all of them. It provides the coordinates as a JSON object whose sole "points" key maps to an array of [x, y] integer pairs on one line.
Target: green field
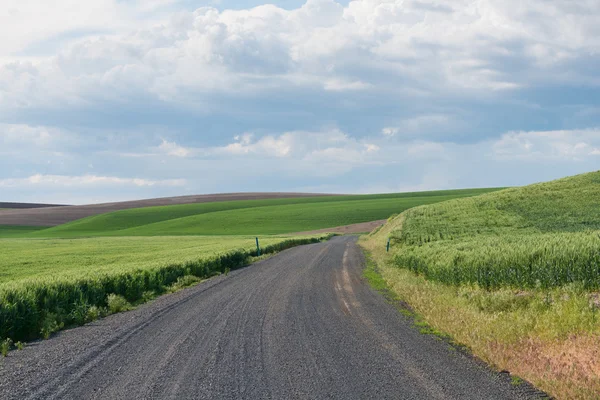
{"points": [[56, 277], [49, 284], [262, 217], [67, 259], [9, 231], [543, 235]]}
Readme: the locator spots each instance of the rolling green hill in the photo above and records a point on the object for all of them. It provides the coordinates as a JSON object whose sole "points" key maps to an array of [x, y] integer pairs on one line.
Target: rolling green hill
{"points": [[57, 277], [543, 235], [275, 216], [7, 231]]}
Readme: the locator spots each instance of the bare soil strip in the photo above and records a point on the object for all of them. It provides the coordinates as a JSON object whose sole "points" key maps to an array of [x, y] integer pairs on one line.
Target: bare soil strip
{"points": [[60, 215], [26, 205]]}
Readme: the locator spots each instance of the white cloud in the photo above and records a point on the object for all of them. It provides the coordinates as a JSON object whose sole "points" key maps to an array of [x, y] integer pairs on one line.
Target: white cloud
{"points": [[371, 148], [58, 181], [433, 47], [35, 143], [28, 22], [338, 85], [389, 131], [173, 149], [289, 144], [329, 158], [268, 145], [326, 153], [532, 146], [13, 134]]}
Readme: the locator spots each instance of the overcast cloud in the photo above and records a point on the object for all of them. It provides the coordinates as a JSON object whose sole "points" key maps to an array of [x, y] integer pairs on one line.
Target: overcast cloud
{"points": [[111, 100]]}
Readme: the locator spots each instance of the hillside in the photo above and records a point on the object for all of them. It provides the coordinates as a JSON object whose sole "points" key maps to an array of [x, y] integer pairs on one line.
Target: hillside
{"points": [[61, 215], [270, 216], [539, 235]]}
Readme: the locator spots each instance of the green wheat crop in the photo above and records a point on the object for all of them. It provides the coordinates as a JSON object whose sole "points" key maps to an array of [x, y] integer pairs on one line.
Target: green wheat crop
{"points": [[49, 284], [544, 235]]}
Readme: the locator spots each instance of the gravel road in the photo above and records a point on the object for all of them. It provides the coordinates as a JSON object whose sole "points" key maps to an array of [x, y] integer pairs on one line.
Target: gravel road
{"points": [[301, 325]]}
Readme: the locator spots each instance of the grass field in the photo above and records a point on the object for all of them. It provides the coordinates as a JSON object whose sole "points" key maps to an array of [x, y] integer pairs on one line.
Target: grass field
{"points": [[53, 277], [544, 235], [59, 260], [49, 284], [9, 231], [514, 275], [275, 216]]}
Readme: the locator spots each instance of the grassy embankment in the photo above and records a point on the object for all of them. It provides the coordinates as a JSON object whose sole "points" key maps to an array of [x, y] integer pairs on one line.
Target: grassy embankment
{"points": [[513, 275]]}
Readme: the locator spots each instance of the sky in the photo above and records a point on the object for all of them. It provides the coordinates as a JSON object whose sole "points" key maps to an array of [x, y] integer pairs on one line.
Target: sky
{"points": [[108, 100]]}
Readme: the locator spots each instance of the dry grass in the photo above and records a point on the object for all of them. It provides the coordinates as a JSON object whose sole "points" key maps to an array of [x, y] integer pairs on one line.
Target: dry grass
{"points": [[569, 368], [550, 338]]}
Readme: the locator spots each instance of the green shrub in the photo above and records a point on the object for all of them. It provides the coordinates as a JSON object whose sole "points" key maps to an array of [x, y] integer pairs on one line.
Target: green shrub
{"points": [[5, 346], [50, 324], [93, 313], [182, 282], [79, 312], [148, 295], [117, 303]]}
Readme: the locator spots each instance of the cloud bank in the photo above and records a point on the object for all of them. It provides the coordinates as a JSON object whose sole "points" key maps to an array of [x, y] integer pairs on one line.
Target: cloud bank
{"points": [[369, 95]]}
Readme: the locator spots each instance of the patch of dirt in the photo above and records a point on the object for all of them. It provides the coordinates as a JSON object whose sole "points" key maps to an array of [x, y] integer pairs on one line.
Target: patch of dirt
{"points": [[59, 215], [4, 205], [569, 367], [354, 228]]}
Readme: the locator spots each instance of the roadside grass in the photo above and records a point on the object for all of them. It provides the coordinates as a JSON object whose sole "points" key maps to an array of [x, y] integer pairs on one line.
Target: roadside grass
{"points": [[513, 275], [267, 217], [554, 345], [38, 299], [378, 282]]}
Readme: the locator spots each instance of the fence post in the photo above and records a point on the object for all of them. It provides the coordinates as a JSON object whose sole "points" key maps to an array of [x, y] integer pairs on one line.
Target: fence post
{"points": [[388, 245], [257, 247]]}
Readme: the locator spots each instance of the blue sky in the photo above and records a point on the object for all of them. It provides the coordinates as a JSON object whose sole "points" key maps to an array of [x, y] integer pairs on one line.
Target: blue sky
{"points": [[111, 100]]}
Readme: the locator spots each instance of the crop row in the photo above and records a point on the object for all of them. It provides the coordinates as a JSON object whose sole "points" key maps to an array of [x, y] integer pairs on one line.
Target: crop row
{"points": [[543, 260], [31, 309]]}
